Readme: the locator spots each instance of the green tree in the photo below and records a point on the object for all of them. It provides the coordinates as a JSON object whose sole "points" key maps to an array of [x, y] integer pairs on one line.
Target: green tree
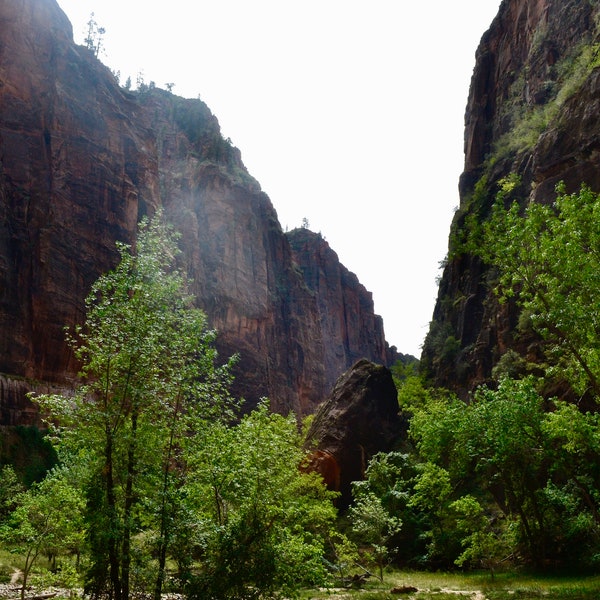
{"points": [[506, 476], [497, 444], [10, 488], [432, 495], [262, 523], [389, 482], [505, 430], [548, 257], [573, 490], [47, 520], [147, 358], [484, 545], [94, 39], [374, 525]]}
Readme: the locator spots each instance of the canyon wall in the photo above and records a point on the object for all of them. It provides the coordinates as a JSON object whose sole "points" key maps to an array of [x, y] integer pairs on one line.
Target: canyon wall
{"points": [[533, 113], [81, 161]]}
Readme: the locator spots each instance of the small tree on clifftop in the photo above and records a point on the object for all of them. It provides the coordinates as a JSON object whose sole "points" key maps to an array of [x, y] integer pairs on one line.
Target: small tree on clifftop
{"points": [[94, 39]]}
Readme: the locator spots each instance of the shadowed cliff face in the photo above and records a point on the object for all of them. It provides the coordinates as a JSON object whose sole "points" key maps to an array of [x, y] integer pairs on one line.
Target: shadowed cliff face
{"points": [[74, 171], [533, 111], [81, 160]]}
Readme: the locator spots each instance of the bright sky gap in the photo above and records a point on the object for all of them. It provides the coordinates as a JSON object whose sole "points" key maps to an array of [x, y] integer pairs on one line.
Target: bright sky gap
{"points": [[349, 114]]}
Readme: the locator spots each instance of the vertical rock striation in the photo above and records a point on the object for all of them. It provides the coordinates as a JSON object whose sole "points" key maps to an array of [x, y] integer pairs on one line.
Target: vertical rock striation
{"points": [[533, 113], [81, 160], [348, 326], [74, 171]]}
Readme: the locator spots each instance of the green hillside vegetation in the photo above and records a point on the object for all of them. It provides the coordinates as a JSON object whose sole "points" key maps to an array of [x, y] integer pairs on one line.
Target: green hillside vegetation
{"points": [[160, 484], [516, 469], [523, 121]]}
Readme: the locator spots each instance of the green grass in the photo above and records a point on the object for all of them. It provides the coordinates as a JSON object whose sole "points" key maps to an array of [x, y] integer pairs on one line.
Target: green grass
{"points": [[443, 586], [6, 565], [437, 586]]}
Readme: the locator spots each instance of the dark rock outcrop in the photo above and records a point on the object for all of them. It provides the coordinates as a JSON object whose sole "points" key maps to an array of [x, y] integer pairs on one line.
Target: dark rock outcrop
{"points": [[81, 160], [534, 112], [359, 419]]}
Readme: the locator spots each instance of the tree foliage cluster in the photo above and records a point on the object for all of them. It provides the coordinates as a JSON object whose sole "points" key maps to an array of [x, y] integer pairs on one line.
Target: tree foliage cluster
{"points": [[509, 479], [161, 484], [512, 476], [548, 258], [94, 39]]}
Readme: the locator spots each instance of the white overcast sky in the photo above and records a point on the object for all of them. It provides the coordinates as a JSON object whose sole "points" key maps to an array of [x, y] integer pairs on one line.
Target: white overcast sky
{"points": [[349, 113]]}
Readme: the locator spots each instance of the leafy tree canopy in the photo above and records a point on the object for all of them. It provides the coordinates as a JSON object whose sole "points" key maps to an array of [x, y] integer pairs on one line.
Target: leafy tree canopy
{"points": [[548, 257], [148, 365]]}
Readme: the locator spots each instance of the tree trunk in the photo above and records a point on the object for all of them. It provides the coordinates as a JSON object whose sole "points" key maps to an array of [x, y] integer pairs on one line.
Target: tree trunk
{"points": [[129, 502], [165, 534], [113, 554]]}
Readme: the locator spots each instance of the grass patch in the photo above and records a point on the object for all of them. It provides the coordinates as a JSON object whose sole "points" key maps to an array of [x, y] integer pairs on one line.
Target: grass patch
{"points": [[7, 561], [474, 586]]}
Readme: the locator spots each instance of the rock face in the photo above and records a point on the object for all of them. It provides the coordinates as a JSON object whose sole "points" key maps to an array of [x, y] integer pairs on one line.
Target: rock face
{"points": [[534, 112], [348, 325], [359, 419], [81, 160]]}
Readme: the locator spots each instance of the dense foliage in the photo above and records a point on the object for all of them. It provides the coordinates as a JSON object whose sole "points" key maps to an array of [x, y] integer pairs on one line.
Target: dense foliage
{"points": [[262, 523], [509, 479], [512, 476], [513, 485], [160, 484], [549, 257]]}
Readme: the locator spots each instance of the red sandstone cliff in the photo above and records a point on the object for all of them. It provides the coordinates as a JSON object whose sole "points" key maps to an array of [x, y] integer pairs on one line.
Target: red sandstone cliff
{"points": [[533, 111], [81, 160], [348, 325]]}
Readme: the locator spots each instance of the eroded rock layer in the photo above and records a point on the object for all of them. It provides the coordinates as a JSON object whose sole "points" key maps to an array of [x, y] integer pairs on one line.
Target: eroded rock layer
{"points": [[81, 160], [533, 114]]}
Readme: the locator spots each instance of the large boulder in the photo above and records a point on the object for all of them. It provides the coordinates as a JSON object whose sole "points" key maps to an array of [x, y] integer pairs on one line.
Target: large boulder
{"points": [[359, 419]]}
